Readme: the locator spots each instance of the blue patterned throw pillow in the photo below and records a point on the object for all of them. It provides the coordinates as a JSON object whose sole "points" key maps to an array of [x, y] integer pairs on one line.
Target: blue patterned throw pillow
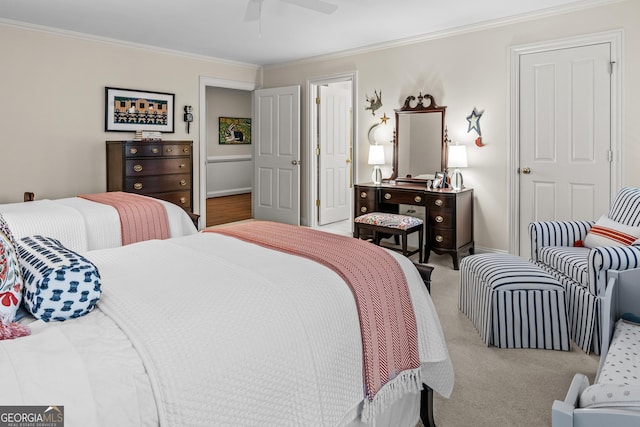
{"points": [[59, 284]]}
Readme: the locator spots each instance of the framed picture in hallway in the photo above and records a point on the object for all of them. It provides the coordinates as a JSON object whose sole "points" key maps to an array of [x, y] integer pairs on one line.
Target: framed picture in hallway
{"points": [[233, 130]]}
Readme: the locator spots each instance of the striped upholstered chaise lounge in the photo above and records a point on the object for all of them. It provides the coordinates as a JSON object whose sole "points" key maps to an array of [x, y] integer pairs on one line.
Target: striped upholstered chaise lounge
{"points": [[557, 247]]}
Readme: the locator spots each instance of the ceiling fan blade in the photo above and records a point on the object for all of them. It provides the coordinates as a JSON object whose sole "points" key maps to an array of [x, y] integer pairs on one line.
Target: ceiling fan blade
{"points": [[253, 10], [317, 5]]}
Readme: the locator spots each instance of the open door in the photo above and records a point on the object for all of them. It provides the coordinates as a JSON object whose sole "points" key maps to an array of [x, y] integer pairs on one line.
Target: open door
{"points": [[334, 113], [276, 171]]}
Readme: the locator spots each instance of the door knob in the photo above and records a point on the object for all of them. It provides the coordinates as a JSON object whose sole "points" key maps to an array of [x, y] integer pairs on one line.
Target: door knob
{"points": [[295, 162], [526, 171]]}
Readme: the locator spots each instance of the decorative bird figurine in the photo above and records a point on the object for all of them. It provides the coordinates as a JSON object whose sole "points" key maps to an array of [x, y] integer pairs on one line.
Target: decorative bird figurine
{"points": [[375, 102]]}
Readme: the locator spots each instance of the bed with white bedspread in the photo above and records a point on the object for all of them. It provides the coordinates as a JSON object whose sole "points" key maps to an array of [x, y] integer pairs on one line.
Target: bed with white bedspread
{"points": [[207, 329], [81, 224]]}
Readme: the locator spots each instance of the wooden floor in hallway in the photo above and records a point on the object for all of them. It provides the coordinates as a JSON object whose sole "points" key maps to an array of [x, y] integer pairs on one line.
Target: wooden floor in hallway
{"points": [[221, 210]]}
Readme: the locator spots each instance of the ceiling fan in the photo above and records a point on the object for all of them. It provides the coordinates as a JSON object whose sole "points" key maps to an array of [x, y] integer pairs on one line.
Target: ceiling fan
{"points": [[254, 7]]}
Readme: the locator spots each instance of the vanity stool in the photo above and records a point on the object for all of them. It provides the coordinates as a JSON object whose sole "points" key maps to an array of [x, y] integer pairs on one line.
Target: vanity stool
{"points": [[379, 223]]}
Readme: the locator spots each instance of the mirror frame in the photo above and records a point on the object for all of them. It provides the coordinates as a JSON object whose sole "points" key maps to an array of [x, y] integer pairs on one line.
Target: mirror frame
{"points": [[419, 108]]}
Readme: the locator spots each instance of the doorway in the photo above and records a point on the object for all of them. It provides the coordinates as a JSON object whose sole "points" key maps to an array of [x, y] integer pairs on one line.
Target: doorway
{"points": [[203, 155], [331, 151], [565, 132]]}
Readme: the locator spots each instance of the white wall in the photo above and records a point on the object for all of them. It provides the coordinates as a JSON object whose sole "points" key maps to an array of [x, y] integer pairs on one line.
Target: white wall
{"points": [[466, 70], [52, 85], [52, 136]]}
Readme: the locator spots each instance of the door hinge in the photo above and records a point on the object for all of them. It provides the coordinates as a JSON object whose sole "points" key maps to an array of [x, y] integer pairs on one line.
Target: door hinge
{"points": [[318, 202], [610, 156], [317, 151], [317, 100], [611, 66]]}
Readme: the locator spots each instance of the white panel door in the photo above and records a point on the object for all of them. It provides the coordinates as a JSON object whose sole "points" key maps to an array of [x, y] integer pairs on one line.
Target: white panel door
{"points": [[334, 161], [565, 136], [276, 137]]}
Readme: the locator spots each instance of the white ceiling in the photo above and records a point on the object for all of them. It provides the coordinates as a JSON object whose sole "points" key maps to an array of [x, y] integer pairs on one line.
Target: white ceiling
{"points": [[216, 28]]}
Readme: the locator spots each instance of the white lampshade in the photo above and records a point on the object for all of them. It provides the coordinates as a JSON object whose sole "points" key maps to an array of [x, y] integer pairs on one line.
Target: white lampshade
{"points": [[376, 158], [376, 155], [457, 156]]}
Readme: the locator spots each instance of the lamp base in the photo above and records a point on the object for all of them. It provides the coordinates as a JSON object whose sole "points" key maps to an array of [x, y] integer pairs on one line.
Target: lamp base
{"points": [[376, 175], [456, 180]]}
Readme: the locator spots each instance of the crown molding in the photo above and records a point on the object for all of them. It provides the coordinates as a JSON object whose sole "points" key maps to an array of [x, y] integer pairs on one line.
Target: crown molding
{"points": [[494, 23], [122, 43]]}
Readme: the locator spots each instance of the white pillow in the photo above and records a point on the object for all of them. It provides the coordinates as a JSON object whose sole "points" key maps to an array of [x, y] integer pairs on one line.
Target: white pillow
{"points": [[610, 395], [606, 232]]}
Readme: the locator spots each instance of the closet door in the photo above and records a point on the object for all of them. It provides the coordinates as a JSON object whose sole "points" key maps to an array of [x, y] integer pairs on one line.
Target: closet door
{"points": [[565, 135]]}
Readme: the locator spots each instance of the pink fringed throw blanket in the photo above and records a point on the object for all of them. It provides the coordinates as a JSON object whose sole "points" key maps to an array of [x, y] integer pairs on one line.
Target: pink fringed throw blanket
{"points": [[141, 217], [387, 321]]}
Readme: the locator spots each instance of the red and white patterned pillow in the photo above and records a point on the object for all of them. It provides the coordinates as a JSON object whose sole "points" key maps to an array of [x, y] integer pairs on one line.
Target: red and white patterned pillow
{"points": [[606, 232], [11, 285]]}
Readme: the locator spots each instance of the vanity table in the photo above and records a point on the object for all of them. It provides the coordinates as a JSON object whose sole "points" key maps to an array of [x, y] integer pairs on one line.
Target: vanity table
{"points": [[448, 213], [420, 150]]}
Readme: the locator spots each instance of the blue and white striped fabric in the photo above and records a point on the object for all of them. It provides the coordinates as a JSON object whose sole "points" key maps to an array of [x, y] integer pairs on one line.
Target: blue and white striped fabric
{"points": [[583, 271], [513, 303], [59, 283]]}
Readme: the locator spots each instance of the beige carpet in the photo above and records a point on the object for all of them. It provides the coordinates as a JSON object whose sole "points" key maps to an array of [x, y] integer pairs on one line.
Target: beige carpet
{"points": [[497, 387]]}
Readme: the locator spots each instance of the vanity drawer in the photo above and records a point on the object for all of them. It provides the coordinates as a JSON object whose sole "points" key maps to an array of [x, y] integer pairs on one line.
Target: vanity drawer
{"points": [[441, 201], [143, 167], [441, 218], [401, 197], [441, 238], [158, 183], [365, 200]]}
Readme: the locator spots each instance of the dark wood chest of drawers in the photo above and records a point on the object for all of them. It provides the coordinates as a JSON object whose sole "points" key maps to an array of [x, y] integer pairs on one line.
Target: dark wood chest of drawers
{"points": [[160, 169], [449, 214]]}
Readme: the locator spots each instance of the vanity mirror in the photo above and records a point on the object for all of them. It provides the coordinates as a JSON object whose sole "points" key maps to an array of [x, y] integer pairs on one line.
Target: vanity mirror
{"points": [[419, 143]]}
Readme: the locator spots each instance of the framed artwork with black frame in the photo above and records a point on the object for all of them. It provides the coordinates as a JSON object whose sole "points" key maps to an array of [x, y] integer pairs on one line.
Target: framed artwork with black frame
{"points": [[234, 130], [128, 110]]}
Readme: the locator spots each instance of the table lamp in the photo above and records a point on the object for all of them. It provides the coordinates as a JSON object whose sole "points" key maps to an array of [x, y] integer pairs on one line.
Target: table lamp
{"points": [[457, 158], [376, 158]]}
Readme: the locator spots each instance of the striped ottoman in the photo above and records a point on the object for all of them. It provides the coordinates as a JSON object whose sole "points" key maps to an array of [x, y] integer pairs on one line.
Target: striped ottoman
{"points": [[513, 303]]}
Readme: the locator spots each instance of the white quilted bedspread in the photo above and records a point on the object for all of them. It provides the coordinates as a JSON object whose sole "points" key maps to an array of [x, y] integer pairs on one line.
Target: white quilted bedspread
{"points": [[234, 334]]}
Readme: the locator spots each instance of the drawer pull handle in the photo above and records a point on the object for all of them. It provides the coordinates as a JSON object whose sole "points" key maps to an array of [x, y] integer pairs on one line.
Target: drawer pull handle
{"points": [[133, 150], [438, 202], [154, 150], [137, 186], [183, 182], [439, 238], [183, 200], [185, 149], [182, 165], [439, 218], [417, 199], [387, 196], [363, 195], [169, 150], [363, 209], [137, 168]]}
